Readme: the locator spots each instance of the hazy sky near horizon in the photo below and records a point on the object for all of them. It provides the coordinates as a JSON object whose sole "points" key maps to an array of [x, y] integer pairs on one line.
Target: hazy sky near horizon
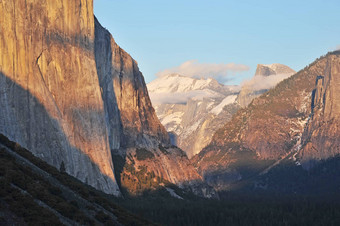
{"points": [[224, 39]]}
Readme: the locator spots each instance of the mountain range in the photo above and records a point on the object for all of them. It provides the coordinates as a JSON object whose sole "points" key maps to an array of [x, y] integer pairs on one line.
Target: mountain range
{"points": [[192, 109]]}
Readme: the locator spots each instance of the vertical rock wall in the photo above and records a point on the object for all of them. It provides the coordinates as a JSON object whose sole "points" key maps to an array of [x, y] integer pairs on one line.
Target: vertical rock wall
{"points": [[123, 84], [50, 100]]}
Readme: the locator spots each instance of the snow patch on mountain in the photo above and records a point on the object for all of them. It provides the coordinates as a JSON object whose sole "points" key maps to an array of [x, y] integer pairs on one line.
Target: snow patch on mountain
{"points": [[175, 117], [226, 101], [179, 84], [178, 89], [173, 193], [182, 97]]}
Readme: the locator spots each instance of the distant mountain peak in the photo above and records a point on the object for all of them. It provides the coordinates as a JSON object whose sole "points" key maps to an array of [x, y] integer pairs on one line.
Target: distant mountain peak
{"points": [[266, 77], [174, 83], [272, 69]]}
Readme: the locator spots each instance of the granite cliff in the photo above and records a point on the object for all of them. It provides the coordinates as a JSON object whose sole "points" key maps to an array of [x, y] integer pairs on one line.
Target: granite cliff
{"points": [[51, 99], [321, 140], [75, 99]]}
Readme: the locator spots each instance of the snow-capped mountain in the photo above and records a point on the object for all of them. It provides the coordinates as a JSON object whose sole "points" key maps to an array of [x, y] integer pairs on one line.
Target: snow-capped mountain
{"points": [[192, 109], [175, 83]]}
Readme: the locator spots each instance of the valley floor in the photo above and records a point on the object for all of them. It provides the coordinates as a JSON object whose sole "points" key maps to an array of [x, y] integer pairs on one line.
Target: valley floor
{"points": [[239, 209], [34, 193]]}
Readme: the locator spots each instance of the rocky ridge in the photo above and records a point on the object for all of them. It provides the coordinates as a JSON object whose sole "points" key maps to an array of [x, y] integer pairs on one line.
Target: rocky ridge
{"points": [[275, 126]]}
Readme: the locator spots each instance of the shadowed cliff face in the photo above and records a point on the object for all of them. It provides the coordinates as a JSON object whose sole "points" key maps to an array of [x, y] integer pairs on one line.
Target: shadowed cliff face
{"points": [[123, 86], [45, 133], [272, 127]]}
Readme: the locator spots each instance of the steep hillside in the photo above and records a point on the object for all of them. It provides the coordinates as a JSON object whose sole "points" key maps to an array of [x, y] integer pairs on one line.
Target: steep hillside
{"points": [[75, 99], [268, 130]]}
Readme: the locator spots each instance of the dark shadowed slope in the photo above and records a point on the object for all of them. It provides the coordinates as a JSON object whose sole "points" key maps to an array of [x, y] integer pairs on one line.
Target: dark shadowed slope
{"points": [[33, 192]]}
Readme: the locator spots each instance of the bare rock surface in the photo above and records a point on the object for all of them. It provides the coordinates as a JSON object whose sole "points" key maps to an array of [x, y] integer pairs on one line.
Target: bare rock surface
{"points": [[50, 95]]}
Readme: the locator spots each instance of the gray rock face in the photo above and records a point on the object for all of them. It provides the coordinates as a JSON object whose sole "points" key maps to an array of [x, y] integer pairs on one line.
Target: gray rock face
{"points": [[272, 69]]}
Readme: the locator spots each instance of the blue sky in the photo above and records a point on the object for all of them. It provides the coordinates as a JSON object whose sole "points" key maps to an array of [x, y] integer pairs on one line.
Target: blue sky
{"points": [[162, 35]]}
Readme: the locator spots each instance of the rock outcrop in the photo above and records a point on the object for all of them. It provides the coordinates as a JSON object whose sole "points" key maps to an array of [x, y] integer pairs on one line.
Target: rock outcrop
{"points": [[266, 77], [271, 127], [321, 137], [73, 97], [273, 69]]}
